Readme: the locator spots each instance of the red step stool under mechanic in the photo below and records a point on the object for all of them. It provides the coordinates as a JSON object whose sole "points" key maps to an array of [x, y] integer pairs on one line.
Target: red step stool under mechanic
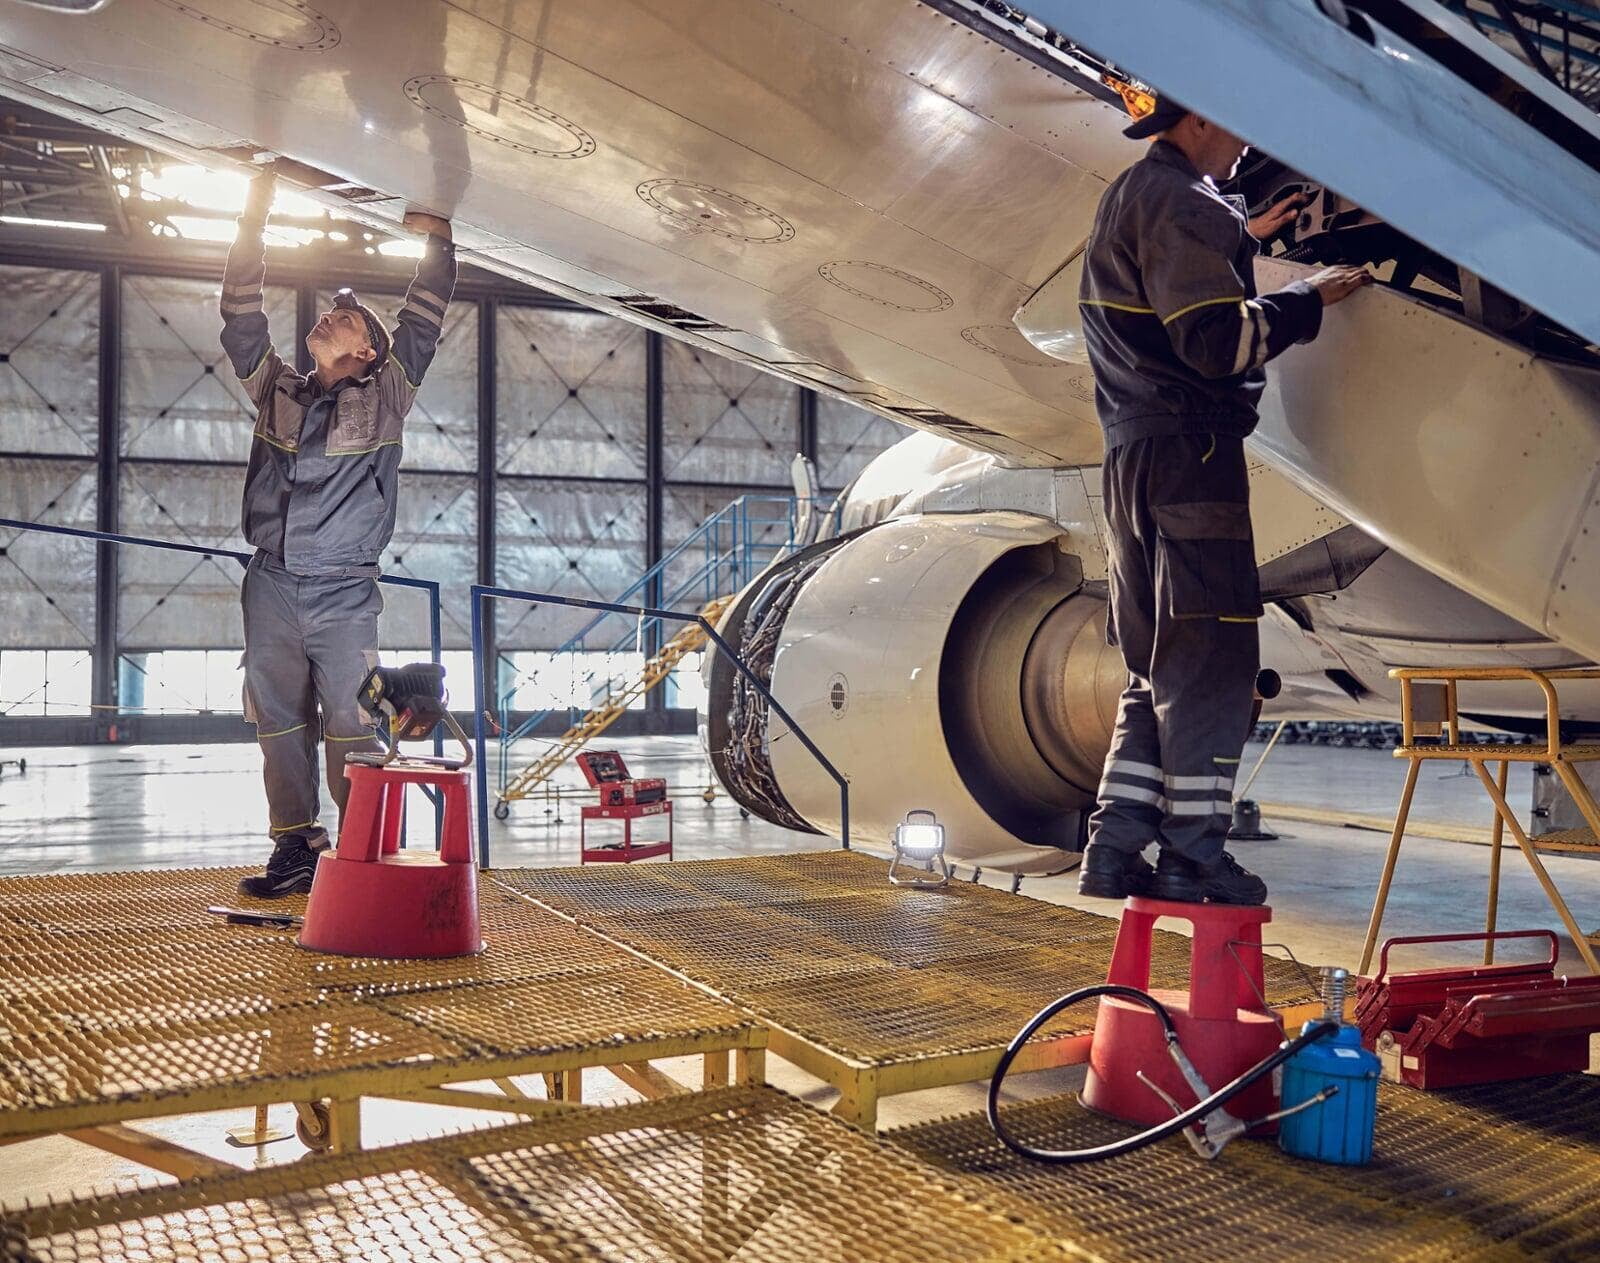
{"points": [[370, 897], [1223, 1020], [623, 798], [1445, 1028]]}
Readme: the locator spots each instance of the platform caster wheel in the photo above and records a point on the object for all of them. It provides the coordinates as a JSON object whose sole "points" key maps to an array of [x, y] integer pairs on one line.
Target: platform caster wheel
{"points": [[313, 1124], [22, 766], [744, 814], [708, 795], [502, 809]]}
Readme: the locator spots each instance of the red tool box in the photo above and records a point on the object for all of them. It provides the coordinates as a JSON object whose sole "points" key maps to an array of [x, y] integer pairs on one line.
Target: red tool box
{"points": [[1442, 1028], [626, 799], [606, 772]]}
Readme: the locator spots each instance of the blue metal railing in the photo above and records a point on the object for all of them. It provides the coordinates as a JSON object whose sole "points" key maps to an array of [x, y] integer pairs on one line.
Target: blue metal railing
{"points": [[733, 546], [484, 592], [428, 586]]}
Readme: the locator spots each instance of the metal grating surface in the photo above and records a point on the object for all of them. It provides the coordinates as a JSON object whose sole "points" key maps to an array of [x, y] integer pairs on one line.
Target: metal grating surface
{"points": [[822, 945], [118, 989], [1501, 1171], [735, 1173], [1519, 753]]}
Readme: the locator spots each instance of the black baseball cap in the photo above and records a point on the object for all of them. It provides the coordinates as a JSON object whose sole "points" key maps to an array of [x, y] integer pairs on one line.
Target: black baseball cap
{"points": [[1167, 113]]}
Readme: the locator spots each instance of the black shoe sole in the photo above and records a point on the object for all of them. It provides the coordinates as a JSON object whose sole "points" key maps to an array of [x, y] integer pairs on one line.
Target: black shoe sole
{"points": [[298, 885], [1182, 890], [1177, 890], [1096, 886], [1111, 885]]}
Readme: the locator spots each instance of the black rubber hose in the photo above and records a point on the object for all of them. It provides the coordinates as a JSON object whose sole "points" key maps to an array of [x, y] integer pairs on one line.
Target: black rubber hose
{"points": [[1162, 1130]]}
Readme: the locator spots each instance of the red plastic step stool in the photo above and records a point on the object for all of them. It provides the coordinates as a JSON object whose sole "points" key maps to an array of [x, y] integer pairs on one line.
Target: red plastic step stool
{"points": [[371, 898], [1443, 1028], [1223, 1022], [624, 798]]}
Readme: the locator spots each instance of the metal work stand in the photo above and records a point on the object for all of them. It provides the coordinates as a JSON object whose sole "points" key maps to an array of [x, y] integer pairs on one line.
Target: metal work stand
{"points": [[1428, 708]]}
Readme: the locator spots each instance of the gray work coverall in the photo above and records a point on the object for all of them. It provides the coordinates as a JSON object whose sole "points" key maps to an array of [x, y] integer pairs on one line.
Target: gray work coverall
{"points": [[320, 496], [1177, 337]]}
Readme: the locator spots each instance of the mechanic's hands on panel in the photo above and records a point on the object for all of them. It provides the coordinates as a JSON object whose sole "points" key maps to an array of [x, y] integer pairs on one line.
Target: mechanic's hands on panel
{"points": [[421, 221], [1270, 222], [259, 199], [1336, 284]]}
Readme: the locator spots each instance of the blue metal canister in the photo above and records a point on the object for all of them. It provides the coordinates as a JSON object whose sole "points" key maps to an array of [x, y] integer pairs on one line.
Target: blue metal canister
{"points": [[1340, 1128]]}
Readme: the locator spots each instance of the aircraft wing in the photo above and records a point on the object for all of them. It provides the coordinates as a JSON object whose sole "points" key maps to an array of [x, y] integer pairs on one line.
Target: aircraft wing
{"points": [[855, 196]]}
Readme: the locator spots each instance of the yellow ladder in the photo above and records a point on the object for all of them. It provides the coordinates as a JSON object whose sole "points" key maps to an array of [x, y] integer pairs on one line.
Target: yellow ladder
{"points": [[691, 639], [1428, 708]]}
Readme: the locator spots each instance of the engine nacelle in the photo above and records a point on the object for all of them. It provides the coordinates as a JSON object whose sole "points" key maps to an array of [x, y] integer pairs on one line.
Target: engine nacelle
{"points": [[955, 662]]}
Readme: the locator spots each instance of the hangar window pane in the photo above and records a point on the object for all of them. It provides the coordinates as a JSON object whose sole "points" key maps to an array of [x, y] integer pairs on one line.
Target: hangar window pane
{"points": [[570, 394], [180, 397], [49, 360], [726, 421], [173, 600], [754, 527], [847, 438], [577, 681], [45, 682], [686, 687], [47, 581], [442, 426], [435, 537], [570, 538], [457, 664]]}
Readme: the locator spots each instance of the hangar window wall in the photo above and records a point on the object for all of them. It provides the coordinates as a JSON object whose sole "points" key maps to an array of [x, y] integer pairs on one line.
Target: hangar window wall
{"points": [[550, 448]]}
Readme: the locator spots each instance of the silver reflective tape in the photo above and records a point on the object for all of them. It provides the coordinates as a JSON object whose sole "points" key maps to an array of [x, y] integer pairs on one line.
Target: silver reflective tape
{"points": [[1198, 807], [423, 313], [1178, 784], [1132, 767], [1249, 331], [1117, 792], [1263, 329]]}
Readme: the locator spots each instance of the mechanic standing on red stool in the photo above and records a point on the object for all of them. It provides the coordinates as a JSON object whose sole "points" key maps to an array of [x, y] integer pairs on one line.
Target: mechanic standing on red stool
{"points": [[320, 495], [1177, 336]]}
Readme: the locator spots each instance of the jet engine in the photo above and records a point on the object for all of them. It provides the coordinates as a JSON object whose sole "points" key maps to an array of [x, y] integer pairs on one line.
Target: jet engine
{"points": [[954, 662]]}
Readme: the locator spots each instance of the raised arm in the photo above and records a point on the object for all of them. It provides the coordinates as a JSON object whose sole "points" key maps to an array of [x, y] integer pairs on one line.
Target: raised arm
{"points": [[1191, 281], [245, 335], [421, 320]]}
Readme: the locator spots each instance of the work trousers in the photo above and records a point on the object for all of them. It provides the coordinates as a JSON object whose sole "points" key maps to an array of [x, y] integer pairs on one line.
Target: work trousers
{"points": [[1185, 598], [309, 643]]}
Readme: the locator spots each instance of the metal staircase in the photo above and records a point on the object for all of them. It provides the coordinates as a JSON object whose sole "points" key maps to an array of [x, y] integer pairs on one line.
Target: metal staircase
{"points": [[703, 573]]}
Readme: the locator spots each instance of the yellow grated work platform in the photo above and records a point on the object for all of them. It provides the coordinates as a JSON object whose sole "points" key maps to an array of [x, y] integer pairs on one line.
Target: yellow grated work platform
{"points": [[737, 1172], [121, 998], [1503, 1171], [877, 989]]}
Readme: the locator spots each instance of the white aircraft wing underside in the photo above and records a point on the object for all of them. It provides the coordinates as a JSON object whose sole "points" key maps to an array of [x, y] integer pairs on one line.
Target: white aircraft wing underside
{"points": [[857, 195]]}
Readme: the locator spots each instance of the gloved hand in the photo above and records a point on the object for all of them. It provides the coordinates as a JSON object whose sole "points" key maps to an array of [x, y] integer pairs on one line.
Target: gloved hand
{"points": [[259, 200], [421, 221]]}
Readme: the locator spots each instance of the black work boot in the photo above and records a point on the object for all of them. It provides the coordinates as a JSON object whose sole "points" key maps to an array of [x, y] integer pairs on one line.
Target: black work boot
{"points": [[1221, 881], [1108, 873], [289, 871]]}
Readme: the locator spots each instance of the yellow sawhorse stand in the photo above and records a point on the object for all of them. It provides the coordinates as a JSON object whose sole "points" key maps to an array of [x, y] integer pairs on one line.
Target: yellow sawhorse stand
{"points": [[1429, 708]]}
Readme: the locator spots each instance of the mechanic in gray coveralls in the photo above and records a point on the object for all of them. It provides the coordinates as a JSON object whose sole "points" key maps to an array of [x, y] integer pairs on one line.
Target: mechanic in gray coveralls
{"points": [[1178, 337], [320, 495]]}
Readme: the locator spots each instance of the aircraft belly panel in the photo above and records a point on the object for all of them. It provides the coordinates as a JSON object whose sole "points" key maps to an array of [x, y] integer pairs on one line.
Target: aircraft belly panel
{"points": [[1467, 454]]}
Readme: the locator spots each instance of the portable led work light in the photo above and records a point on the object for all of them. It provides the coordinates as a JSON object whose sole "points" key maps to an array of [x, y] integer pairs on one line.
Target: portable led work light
{"points": [[919, 839]]}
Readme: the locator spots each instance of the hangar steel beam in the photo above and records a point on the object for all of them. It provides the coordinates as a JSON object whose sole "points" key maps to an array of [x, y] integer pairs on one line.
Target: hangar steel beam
{"points": [[103, 667]]}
